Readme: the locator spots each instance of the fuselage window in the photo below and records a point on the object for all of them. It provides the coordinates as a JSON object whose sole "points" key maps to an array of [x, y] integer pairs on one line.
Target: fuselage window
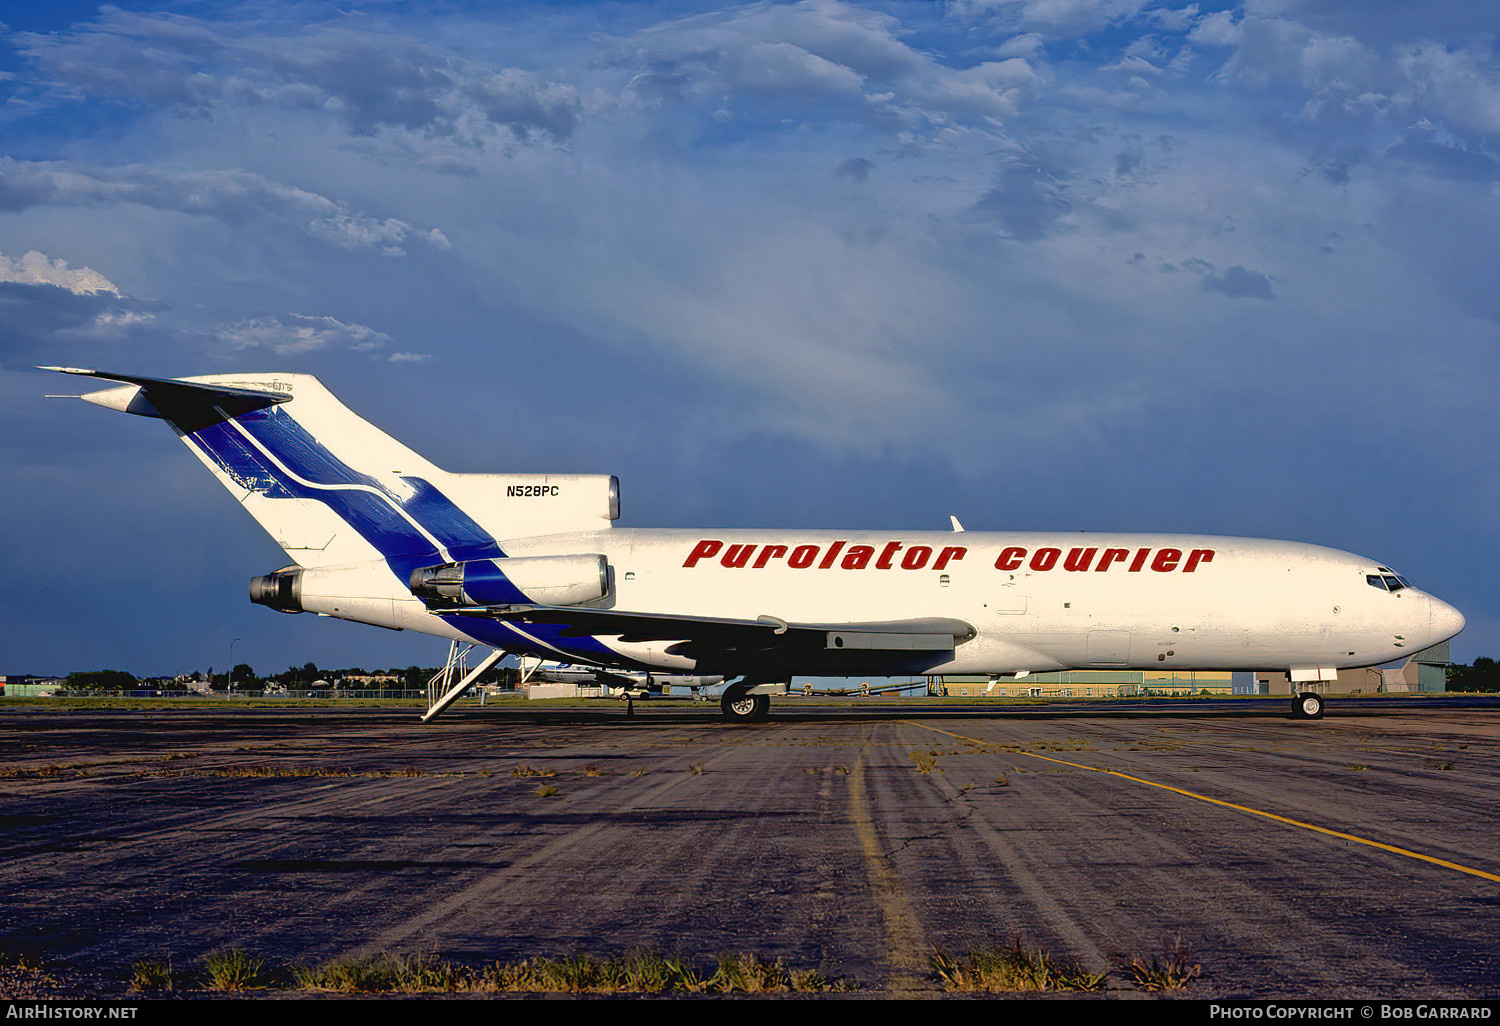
{"points": [[1394, 583]]}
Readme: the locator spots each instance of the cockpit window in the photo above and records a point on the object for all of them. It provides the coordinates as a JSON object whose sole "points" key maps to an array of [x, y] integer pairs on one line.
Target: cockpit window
{"points": [[1387, 581]]}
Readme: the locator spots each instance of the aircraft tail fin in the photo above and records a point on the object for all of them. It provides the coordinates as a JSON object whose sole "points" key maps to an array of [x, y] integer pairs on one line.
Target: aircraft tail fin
{"points": [[332, 489]]}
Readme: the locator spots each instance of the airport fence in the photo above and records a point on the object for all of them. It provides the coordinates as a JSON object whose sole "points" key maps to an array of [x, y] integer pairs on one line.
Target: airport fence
{"points": [[329, 694]]}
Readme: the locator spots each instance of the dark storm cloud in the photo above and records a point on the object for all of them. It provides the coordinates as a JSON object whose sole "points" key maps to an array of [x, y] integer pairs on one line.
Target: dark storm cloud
{"points": [[1027, 200], [369, 77], [856, 169], [39, 321], [661, 245], [1239, 283]]}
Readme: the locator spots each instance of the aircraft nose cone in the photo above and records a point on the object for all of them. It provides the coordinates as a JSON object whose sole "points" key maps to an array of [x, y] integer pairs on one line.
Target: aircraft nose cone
{"points": [[1446, 621]]}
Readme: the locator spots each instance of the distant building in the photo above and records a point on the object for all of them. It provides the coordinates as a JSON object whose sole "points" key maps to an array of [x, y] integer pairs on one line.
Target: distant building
{"points": [[1088, 684], [550, 690], [1426, 672], [24, 685]]}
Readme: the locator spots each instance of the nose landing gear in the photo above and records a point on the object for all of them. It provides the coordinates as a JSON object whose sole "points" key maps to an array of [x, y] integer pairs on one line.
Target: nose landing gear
{"points": [[1307, 706]]}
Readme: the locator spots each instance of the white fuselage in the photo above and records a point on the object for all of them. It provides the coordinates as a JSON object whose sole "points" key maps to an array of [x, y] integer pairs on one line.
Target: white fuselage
{"points": [[1036, 601]]}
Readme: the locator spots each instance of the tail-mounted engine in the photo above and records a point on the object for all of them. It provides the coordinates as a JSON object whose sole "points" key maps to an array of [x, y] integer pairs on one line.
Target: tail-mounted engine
{"points": [[282, 590], [538, 580]]}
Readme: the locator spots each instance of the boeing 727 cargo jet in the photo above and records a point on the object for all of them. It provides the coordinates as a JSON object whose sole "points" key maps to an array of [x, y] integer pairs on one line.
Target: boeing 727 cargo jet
{"points": [[532, 564]]}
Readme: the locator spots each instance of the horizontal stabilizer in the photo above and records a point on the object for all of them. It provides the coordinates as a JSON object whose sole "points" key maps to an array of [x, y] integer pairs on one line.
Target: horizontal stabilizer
{"points": [[188, 405]]}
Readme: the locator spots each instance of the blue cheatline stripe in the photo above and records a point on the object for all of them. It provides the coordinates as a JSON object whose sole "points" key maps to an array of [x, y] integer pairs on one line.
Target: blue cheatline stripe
{"points": [[419, 528], [374, 511]]}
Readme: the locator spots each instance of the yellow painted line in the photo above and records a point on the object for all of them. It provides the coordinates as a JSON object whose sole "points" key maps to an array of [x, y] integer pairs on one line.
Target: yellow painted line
{"points": [[1240, 808], [904, 941]]}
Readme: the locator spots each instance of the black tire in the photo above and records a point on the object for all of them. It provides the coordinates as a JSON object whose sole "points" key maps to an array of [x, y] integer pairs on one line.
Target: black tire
{"points": [[1308, 706], [738, 707]]}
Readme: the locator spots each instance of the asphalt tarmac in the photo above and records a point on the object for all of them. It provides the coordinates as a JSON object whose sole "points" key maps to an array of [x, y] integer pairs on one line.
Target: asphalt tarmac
{"points": [[1352, 857]]}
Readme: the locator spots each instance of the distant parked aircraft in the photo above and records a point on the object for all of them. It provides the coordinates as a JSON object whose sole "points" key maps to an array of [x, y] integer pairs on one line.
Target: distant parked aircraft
{"points": [[635, 682]]}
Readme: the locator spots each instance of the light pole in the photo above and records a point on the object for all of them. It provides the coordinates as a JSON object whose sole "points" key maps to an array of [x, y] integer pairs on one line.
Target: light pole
{"points": [[229, 673]]}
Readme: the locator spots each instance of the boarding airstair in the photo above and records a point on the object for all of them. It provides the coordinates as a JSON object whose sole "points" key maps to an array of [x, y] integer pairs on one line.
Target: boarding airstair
{"points": [[442, 690]]}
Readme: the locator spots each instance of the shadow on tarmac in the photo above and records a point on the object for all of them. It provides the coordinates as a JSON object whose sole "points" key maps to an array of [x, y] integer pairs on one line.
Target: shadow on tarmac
{"points": [[792, 709]]}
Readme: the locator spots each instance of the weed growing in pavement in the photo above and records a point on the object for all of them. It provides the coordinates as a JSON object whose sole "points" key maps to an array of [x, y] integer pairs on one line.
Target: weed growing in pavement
{"points": [[234, 969], [1015, 968], [1173, 969], [151, 975]]}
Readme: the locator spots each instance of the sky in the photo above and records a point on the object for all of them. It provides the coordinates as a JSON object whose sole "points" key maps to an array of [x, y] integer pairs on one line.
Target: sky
{"points": [[1105, 265]]}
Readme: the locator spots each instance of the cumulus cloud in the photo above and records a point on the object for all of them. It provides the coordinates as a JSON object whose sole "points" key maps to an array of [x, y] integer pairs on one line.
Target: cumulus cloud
{"points": [[36, 268], [1343, 75], [818, 60], [297, 333], [1052, 18], [1447, 159], [232, 196]]}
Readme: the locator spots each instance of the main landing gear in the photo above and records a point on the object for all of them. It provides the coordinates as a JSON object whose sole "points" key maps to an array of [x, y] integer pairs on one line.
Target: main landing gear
{"points": [[1307, 706], [749, 701], [745, 708]]}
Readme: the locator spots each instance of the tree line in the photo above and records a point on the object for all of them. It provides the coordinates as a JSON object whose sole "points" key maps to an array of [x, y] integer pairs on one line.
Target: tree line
{"points": [[1482, 675], [293, 678]]}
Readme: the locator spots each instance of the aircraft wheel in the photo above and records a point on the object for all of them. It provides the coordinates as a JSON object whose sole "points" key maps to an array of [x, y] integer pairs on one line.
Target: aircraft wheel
{"points": [[1308, 706], [741, 708]]}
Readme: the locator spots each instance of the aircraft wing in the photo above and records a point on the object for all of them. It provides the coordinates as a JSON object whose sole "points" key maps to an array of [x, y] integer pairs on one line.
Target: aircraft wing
{"points": [[764, 634]]}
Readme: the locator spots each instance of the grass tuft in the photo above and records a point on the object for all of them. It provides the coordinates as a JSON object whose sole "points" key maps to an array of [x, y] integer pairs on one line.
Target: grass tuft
{"points": [[641, 971], [1172, 969], [645, 971], [378, 974], [1015, 968], [151, 974], [234, 969]]}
